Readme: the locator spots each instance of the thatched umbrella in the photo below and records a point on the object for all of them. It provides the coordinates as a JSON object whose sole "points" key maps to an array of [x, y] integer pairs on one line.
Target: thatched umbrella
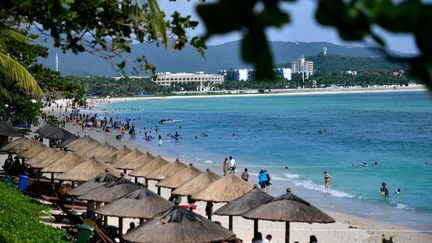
{"points": [[59, 134], [243, 204], [33, 150], [83, 149], [14, 143], [82, 142], [226, 189], [142, 204], [22, 146], [289, 208], [110, 158], [98, 181], [166, 171], [47, 129], [41, 156], [179, 178], [148, 168], [110, 191], [47, 161], [177, 224], [108, 150], [9, 131], [101, 149], [196, 184], [87, 171], [137, 162], [67, 162], [121, 161]]}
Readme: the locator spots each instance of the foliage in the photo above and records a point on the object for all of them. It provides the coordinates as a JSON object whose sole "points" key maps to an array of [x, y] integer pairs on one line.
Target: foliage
{"points": [[104, 86], [109, 31], [20, 219], [354, 20]]}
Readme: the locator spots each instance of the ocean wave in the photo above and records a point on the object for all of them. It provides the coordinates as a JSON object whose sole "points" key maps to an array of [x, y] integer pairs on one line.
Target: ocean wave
{"points": [[292, 176], [400, 205], [207, 161], [312, 186]]}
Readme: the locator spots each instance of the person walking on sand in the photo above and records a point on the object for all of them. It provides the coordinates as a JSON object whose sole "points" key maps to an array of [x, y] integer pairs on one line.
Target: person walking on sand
{"points": [[225, 166], [232, 164], [262, 179], [327, 178]]}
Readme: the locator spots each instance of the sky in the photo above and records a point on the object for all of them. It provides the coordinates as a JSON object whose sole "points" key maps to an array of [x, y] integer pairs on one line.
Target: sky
{"points": [[303, 27]]}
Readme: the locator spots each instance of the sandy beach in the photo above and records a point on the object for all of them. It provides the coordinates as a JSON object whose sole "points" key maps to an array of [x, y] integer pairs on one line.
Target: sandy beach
{"points": [[249, 93], [348, 228]]}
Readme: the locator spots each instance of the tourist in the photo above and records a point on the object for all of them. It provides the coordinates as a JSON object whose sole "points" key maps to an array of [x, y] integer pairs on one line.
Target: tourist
{"points": [[313, 239], [398, 191], [225, 166], [232, 164], [262, 179], [131, 226], [245, 175], [267, 239], [8, 164], [160, 140], [327, 178], [384, 190], [257, 238], [209, 210], [267, 182]]}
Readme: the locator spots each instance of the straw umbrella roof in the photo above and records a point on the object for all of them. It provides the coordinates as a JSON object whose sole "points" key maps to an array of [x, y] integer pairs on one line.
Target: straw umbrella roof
{"points": [[141, 203], [149, 167], [289, 208], [121, 161], [167, 170], [177, 224], [47, 129], [110, 191], [41, 156], [59, 134], [80, 143], [109, 158], [35, 149], [137, 162], [83, 149], [87, 171], [196, 184], [23, 146], [14, 143], [9, 131], [225, 189], [96, 151], [245, 203], [179, 178], [65, 163], [98, 181], [109, 150], [49, 160]]}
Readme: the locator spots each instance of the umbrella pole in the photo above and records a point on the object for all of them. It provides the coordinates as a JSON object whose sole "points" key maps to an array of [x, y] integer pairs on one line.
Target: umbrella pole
{"points": [[159, 190], [287, 232], [105, 219], [136, 180], [255, 226], [230, 222], [120, 227], [52, 178]]}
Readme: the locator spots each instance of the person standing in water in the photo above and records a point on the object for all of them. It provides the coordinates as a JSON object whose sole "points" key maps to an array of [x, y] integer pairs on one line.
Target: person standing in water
{"points": [[327, 178], [225, 166], [160, 140], [232, 164]]}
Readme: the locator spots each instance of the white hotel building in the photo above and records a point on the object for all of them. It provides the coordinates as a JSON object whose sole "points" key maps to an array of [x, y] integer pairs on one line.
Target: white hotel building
{"points": [[166, 79]]}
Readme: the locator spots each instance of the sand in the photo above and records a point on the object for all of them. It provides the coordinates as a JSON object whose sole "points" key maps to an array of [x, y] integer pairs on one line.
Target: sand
{"points": [[348, 228]]}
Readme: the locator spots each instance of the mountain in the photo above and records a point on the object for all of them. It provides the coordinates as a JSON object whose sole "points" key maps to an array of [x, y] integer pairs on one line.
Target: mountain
{"points": [[218, 57]]}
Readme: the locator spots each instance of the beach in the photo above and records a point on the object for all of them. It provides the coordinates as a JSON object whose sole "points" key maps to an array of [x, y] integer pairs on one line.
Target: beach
{"points": [[348, 228]]}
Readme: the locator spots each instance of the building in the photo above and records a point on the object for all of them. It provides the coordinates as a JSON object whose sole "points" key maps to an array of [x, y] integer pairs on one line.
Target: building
{"points": [[204, 80], [283, 73], [300, 65]]}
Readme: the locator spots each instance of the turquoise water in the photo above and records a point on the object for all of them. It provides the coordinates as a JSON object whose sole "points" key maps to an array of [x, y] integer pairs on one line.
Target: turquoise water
{"points": [[271, 132]]}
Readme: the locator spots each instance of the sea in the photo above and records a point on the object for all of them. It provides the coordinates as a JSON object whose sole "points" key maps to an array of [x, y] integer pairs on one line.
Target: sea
{"points": [[298, 137]]}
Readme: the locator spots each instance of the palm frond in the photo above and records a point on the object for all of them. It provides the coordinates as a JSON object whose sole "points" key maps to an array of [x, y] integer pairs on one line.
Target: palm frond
{"points": [[158, 23], [13, 70], [4, 93]]}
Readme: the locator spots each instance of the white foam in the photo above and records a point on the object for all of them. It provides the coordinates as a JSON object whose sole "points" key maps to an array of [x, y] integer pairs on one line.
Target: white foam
{"points": [[292, 176], [207, 161], [312, 186], [400, 205]]}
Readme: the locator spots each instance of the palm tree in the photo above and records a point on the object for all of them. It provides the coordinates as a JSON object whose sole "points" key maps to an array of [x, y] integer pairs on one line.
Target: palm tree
{"points": [[12, 70]]}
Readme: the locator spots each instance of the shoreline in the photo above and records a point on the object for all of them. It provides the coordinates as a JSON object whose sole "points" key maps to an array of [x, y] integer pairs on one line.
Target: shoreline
{"points": [[253, 93]]}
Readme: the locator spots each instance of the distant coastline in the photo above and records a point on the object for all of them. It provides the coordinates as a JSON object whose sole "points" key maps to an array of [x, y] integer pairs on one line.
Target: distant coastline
{"points": [[275, 92]]}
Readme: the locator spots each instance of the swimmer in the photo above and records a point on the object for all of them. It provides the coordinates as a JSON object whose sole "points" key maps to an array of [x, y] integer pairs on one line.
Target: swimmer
{"points": [[398, 191], [286, 167], [365, 164]]}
